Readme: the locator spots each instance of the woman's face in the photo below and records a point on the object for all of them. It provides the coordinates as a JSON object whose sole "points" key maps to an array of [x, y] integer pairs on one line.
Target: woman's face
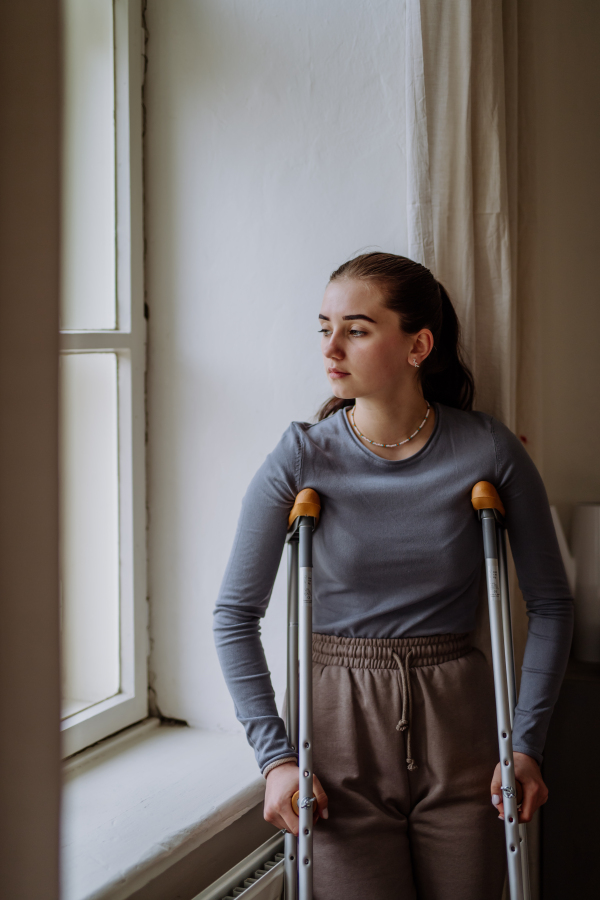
{"points": [[365, 351]]}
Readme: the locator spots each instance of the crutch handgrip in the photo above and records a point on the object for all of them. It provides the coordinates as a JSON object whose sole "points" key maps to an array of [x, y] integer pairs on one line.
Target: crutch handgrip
{"points": [[295, 799], [295, 804], [485, 496], [307, 503]]}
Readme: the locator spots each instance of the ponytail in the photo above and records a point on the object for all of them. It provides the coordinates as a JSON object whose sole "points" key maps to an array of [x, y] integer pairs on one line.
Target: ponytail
{"points": [[446, 378], [411, 290]]}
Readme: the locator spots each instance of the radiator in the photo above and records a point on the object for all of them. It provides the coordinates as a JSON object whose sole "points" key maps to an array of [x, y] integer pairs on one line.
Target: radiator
{"points": [[257, 877]]}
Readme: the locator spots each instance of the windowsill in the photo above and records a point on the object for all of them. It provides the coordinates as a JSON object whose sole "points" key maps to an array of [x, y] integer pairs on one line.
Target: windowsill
{"points": [[138, 803]]}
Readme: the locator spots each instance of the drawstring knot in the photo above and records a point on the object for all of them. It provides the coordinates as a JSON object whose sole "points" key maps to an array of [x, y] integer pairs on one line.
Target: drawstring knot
{"points": [[406, 694]]}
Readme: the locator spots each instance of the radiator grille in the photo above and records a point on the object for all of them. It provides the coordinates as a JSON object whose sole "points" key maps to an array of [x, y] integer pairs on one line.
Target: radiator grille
{"points": [[254, 878], [257, 877]]}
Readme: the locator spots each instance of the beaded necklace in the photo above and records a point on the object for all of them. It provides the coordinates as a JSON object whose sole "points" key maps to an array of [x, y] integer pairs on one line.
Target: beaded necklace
{"points": [[399, 443]]}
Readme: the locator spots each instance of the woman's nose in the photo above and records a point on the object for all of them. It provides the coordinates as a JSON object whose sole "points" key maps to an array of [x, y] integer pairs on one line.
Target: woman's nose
{"points": [[332, 349]]}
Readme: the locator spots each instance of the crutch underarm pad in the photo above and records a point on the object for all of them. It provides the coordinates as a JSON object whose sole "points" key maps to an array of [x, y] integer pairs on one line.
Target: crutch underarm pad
{"points": [[307, 503], [485, 496]]}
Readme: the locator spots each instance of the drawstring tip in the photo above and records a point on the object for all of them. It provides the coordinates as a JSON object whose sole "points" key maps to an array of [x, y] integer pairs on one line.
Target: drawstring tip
{"points": [[401, 726], [411, 765]]}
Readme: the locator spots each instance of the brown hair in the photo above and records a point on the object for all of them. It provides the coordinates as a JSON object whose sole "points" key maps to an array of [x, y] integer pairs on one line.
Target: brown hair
{"points": [[421, 302]]}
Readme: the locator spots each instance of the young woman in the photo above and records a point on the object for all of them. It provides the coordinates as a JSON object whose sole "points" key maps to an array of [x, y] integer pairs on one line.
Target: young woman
{"points": [[405, 739]]}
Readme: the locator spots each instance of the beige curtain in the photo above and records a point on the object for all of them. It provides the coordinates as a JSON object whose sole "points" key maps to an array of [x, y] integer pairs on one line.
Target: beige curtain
{"points": [[461, 176], [461, 131]]}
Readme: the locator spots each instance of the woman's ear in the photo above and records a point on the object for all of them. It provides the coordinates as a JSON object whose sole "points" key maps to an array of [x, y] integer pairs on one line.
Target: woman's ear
{"points": [[421, 347]]}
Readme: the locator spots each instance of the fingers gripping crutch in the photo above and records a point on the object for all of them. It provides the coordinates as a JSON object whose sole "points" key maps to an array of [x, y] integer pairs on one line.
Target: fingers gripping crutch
{"points": [[485, 499], [301, 524]]}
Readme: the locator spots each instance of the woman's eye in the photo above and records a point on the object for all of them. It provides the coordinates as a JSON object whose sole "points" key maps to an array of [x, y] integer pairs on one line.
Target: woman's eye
{"points": [[354, 332]]}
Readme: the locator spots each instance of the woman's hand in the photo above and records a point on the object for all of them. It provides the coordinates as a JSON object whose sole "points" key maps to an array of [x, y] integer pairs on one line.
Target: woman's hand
{"points": [[529, 778], [282, 784]]}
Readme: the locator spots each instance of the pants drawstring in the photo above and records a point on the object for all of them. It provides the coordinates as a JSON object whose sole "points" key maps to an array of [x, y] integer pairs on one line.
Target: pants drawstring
{"points": [[406, 693]]}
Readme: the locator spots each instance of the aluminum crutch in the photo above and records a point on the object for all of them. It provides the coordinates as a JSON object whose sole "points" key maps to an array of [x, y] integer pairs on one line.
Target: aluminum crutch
{"points": [[486, 501], [298, 874], [511, 680]]}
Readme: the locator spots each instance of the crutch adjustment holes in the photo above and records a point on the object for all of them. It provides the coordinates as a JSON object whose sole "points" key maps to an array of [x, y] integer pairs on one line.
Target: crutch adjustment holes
{"points": [[306, 774], [306, 831], [506, 762], [510, 819], [306, 745], [513, 849], [504, 734], [307, 862]]}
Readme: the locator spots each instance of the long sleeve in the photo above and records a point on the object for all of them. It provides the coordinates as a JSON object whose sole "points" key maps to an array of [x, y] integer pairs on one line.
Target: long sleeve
{"points": [[382, 521], [245, 594], [544, 587]]}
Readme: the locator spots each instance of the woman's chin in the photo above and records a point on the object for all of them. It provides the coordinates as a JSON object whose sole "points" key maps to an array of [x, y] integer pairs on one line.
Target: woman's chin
{"points": [[341, 391]]}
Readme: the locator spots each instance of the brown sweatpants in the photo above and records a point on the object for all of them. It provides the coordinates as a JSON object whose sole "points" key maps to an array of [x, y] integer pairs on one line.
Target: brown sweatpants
{"points": [[394, 834]]}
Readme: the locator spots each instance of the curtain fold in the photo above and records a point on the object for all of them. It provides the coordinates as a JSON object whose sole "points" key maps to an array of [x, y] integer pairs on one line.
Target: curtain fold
{"points": [[460, 194]]}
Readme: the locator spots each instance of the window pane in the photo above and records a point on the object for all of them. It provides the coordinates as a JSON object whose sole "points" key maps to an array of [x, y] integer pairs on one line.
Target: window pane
{"points": [[89, 276], [89, 529]]}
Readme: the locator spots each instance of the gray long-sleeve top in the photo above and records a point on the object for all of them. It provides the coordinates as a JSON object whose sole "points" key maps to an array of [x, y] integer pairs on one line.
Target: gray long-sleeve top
{"points": [[398, 553]]}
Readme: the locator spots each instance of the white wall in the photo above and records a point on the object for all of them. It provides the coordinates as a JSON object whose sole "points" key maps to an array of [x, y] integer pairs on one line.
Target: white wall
{"points": [[274, 151]]}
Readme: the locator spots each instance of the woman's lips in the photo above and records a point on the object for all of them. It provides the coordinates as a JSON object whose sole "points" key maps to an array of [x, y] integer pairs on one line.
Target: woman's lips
{"points": [[337, 373]]}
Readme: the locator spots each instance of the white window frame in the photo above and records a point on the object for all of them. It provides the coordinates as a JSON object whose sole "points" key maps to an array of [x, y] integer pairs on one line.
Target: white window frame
{"points": [[128, 341]]}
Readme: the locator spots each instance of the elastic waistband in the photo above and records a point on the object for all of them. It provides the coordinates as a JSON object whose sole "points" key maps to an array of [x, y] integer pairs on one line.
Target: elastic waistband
{"points": [[378, 653]]}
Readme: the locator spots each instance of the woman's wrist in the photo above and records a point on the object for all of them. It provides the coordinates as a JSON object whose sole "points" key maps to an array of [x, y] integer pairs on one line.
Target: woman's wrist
{"points": [[279, 762], [536, 757]]}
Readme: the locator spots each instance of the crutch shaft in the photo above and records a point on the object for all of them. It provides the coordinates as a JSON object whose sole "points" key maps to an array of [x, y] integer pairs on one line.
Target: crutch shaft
{"points": [[291, 723], [290, 871], [291, 843], [509, 657], [302, 520], [511, 679], [305, 731], [509, 791]]}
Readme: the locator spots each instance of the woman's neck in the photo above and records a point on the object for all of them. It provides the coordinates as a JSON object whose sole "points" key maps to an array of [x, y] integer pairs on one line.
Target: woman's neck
{"points": [[391, 420]]}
